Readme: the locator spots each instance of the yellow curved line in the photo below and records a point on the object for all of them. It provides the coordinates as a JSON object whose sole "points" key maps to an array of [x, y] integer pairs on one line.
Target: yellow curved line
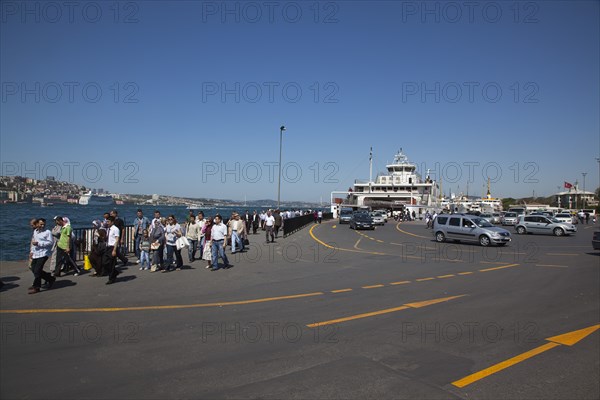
{"points": [[166, 307], [316, 239], [411, 234]]}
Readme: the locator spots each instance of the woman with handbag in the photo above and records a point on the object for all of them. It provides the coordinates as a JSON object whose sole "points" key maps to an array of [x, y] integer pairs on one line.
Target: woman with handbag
{"points": [[157, 237], [172, 232], [207, 251]]}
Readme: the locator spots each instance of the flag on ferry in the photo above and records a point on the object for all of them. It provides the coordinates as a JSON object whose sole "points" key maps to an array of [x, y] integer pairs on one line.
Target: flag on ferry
{"points": [[568, 185]]}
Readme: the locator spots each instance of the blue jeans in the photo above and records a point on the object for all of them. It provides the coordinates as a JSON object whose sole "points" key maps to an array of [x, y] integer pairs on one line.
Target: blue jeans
{"points": [[138, 239], [192, 249], [235, 241], [201, 244], [218, 251], [144, 259]]}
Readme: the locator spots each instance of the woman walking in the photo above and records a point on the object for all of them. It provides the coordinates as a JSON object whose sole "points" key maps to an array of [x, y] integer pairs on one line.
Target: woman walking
{"points": [[172, 232]]}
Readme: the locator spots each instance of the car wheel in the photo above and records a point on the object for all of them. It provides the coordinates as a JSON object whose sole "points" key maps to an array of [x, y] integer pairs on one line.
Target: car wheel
{"points": [[520, 230], [439, 237], [558, 232], [484, 240]]}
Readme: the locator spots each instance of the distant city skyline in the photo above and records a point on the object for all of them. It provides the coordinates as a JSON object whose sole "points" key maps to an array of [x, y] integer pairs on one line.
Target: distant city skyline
{"points": [[187, 98]]}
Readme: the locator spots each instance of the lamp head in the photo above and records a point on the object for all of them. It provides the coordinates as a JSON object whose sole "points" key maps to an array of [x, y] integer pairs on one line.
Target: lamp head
{"points": [[282, 128]]}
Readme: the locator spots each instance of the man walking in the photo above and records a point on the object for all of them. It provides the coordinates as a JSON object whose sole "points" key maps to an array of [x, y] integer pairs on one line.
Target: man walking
{"points": [[63, 248], [113, 243], [278, 222], [237, 233], [140, 224], [269, 224], [121, 249], [255, 222], [41, 248], [218, 236]]}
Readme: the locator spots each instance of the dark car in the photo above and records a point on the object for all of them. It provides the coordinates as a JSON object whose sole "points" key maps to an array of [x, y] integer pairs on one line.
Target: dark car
{"points": [[596, 240], [362, 221]]}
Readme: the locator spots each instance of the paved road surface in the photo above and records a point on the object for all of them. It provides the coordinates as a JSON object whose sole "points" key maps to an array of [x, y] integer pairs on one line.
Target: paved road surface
{"points": [[325, 313]]}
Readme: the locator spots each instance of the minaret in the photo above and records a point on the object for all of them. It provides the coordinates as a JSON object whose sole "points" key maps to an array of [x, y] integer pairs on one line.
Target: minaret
{"points": [[371, 165], [489, 195]]}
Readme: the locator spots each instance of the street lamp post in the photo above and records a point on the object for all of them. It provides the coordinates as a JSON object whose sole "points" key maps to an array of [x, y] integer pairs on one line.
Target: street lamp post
{"points": [[281, 129], [583, 198]]}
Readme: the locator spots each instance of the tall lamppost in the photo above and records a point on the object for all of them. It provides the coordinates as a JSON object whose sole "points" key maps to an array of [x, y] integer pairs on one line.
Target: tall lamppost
{"points": [[281, 129], [583, 199]]}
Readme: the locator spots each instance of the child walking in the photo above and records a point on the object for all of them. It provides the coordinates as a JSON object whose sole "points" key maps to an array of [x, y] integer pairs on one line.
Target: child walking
{"points": [[145, 251]]}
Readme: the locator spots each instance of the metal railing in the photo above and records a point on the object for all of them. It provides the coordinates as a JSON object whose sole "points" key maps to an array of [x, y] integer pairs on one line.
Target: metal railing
{"points": [[84, 239], [292, 225]]}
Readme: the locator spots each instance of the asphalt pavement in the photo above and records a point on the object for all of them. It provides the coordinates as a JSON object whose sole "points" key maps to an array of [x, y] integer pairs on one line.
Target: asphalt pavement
{"points": [[325, 313]]}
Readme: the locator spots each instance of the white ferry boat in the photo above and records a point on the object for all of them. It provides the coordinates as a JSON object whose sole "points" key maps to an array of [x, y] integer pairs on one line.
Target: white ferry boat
{"points": [[402, 188], [90, 199]]}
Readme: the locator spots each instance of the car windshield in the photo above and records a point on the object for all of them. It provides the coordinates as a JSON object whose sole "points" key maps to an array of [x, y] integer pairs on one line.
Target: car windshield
{"points": [[554, 220], [362, 218], [482, 223], [511, 215]]}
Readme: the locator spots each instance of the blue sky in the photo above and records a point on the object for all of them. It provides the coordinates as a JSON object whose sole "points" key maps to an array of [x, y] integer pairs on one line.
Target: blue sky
{"points": [[186, 98]]}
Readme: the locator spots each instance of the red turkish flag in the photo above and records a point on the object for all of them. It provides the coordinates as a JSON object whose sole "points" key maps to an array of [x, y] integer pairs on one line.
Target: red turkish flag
{"points": [[568, 185]]}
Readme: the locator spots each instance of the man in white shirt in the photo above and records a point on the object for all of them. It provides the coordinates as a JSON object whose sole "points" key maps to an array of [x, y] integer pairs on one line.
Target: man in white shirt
{"points": [[218, 236], [112, 244], [269, 223], [41, 248]]}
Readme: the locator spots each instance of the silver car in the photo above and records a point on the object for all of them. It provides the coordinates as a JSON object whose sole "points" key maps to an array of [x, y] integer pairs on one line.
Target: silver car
{"points": [[378, 218], [564, 217], [543, 225], [509, 218], [471, 228], [492, 218]]}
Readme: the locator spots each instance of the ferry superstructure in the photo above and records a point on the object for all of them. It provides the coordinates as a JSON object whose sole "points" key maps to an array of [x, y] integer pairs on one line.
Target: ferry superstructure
{"points": [[402, 188], [90, 199]]}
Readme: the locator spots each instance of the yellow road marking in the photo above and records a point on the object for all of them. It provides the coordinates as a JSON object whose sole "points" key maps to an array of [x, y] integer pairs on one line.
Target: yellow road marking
{"points": [[552, 265], [358, 316], [496, 268], [334, 226], [341, 290], [492, 262], [503, 365], [570, 338], [562, 254], [567, 339], [426, 303], [165, 307], [340, 248], [446, 276], [465, 273], [411, 234], [380, 312], [372, 286], [380, 241], [424, 279], [399, 283], [356, 244]]}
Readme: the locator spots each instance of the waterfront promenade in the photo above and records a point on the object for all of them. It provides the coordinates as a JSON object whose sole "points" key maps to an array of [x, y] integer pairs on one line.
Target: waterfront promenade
{"points": [[325, 313]]}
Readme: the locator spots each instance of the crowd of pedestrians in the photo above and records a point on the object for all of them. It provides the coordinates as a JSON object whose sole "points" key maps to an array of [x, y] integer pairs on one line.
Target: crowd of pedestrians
{"points": [[158, 242]]}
